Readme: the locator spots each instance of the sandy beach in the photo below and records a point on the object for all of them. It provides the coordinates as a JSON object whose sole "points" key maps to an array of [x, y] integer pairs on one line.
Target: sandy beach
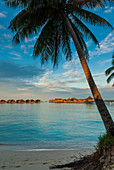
{"points": [[38, 160]]}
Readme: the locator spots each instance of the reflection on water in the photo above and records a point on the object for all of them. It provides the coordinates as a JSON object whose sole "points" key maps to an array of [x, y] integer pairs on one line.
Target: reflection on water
{"points": [[49, 125]]}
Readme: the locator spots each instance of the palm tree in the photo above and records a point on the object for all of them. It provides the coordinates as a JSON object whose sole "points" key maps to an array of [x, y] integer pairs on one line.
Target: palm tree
{"points": [[110, 70], [56, 22]]}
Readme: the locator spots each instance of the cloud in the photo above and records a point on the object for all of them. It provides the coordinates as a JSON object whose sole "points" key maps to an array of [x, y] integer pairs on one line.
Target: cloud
{"points": [[23, 47], [18, 56], [30, 46], [108, 10], [8, 36], [2, 15], [5, 12], [88, 43], [26, 48], [30, 39], [7, 46], [28, 80], [9, 70], [98, 74], [70, 78], [44, 81], [73, 63], [106, 46], [63, 82], [105, 61], [23, 89], [107, 91], [2, 27]]}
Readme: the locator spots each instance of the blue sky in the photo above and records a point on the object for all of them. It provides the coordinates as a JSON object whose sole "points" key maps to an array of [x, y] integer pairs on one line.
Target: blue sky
{"points": [[22, 76]]}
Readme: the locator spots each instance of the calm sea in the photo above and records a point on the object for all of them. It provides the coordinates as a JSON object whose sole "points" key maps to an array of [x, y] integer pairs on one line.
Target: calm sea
{"points": [[50, 126]]}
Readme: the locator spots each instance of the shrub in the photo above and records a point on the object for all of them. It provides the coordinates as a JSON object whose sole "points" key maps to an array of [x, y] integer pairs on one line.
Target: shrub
{"points": [[105, 141]]}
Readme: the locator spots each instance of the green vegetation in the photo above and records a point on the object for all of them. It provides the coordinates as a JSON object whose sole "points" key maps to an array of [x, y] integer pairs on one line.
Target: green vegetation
{"points": [[105, 141]]}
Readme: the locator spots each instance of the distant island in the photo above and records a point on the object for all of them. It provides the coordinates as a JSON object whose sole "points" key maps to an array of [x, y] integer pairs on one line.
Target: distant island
{"points": [[72, 100], [20, 101]]}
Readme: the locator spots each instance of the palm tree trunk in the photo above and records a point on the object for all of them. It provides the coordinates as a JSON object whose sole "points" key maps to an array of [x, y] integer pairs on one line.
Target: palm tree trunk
{"points": [[105, 115]]}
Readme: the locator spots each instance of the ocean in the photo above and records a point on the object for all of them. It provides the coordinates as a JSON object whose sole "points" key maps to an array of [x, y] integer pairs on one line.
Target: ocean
{"points": [[42, 126]]}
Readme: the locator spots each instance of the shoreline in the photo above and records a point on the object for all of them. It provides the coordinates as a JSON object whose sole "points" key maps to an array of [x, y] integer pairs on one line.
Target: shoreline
{"points": [[35, 146], [39, 159]]}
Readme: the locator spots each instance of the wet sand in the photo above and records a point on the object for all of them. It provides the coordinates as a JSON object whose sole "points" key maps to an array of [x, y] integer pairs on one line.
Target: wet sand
{"points": [[38, 160]]}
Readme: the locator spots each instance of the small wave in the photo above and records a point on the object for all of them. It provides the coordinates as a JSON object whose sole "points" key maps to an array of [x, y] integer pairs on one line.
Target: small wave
{"points": [[51, 149]]}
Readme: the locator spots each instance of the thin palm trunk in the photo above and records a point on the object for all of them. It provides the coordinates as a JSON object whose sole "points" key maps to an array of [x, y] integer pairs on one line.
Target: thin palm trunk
{"points": [[105, 115]]}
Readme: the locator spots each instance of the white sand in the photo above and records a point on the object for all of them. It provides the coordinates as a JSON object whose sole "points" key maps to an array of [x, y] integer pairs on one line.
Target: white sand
{"points": [[38, 160]]}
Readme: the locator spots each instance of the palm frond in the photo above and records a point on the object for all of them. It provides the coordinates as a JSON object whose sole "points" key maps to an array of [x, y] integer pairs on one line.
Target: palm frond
{"points": [[44, 17], [36, 18], [113, 60], [48, 42], [109, 70], [27, 23], [57, 45], [66, 42], [26, 31], [88, 3], [91, 3], [110, 77], [15, 3], [91, 18], [44, 41], [86, 31]]}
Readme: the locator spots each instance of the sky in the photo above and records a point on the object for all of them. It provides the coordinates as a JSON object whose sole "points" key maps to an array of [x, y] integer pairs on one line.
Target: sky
{"points": [[22, 76]]}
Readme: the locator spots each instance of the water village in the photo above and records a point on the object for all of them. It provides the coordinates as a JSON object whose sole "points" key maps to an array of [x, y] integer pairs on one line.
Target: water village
{"points": [[72, 100], [20, 101], [56, 100]]}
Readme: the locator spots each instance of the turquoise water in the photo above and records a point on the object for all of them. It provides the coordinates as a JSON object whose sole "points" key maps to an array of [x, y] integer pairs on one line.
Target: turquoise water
{"points": [[50, 126]]}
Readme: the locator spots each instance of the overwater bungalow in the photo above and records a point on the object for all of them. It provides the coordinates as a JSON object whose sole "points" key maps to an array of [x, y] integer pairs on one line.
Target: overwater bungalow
{"points": [[58, 100], [8, 101], [89, 99], [74, 99], [68, 100], [2, 101], [20, 101], [11, 101], [32, 101], [81, 100], [37, 101], [64, 100], [28, 101]]}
